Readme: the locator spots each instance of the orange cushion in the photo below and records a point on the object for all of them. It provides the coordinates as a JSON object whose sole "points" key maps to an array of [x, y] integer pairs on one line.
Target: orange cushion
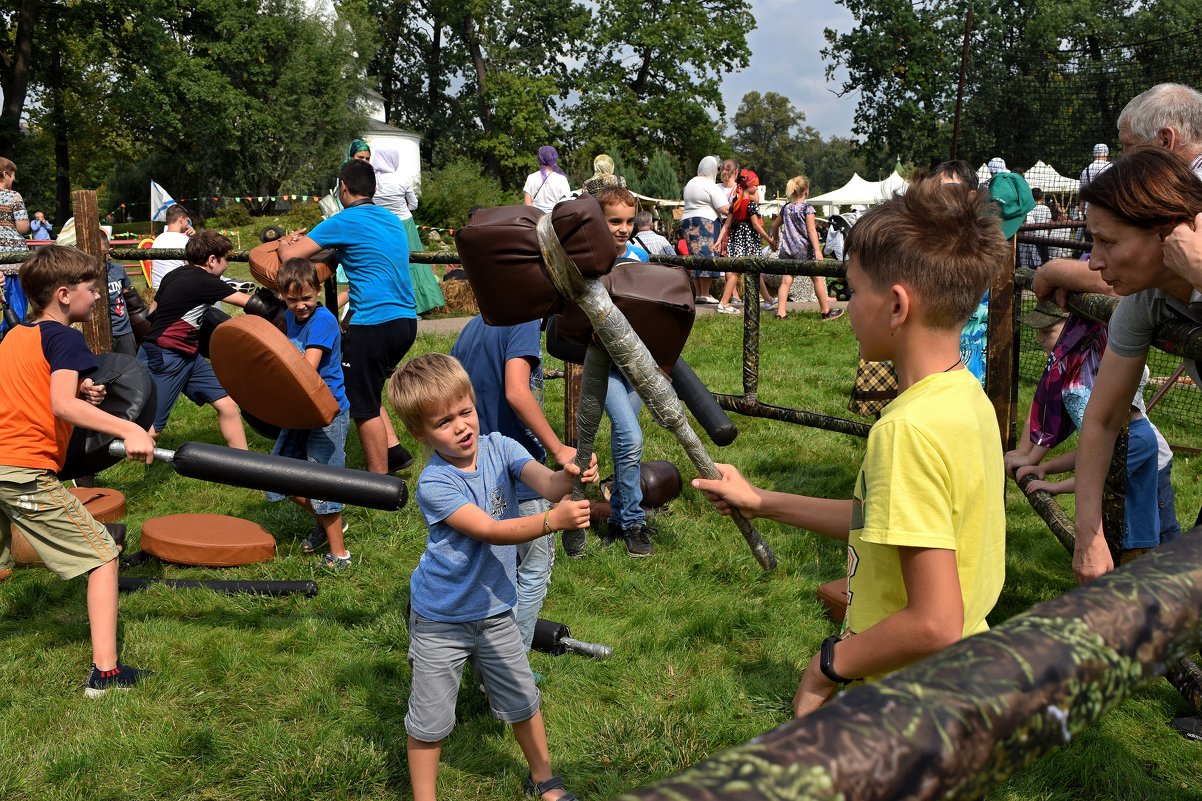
{"points": [[265, 263], [106, 505], [208, 540], [267, 376], [833, 595]]}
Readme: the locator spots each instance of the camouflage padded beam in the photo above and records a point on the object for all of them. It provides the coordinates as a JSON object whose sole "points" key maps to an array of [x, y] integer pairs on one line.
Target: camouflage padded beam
{"points": [[961, 722]]}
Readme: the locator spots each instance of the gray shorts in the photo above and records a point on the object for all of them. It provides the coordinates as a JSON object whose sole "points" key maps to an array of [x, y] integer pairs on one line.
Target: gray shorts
{"points": [[437, 652]]}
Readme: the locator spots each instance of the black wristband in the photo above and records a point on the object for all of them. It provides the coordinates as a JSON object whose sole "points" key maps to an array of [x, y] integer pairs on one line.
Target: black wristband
{"points": [[826, 661]]}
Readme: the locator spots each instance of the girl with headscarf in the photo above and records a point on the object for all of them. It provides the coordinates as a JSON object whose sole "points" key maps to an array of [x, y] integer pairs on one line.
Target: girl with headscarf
{"points": [[549, 185], [358, 150], [395, 193], [704, 202], [603, 175]]}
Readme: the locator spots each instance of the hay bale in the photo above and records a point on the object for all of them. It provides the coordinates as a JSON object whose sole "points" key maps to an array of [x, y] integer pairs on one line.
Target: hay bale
{"points": [[459, 297]]}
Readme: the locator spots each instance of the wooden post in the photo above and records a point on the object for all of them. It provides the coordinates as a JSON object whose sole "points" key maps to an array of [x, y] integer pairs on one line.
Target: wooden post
{"points": [[98, 331], [573, 376], [1000, 353]]}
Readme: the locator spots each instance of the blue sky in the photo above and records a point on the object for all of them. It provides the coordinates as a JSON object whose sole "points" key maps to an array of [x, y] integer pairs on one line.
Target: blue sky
{"points": [[786, 58]]}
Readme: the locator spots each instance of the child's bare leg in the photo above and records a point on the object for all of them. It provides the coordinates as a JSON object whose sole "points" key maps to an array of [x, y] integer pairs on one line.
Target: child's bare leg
{"points": [[423, 768], [373, 437], [703, 286], [824, 300], [390, 437], [532, 738], [230, 423], [732, 280], [332, 525], [782, 296], [102, 614]]}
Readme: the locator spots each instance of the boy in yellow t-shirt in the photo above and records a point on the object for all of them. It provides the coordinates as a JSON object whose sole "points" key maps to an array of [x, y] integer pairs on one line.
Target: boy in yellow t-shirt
{"points": [[925, 527]]}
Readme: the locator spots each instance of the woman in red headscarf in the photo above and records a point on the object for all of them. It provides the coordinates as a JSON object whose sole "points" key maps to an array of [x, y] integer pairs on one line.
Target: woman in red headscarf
{"points": [[742, 232]]}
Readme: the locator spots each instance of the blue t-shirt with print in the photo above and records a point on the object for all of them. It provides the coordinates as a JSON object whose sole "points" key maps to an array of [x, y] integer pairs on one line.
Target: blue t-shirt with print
{"points": [[117, 281], [483, 350], [634, 253], [374, 251], [321, 331], [460, 578]]}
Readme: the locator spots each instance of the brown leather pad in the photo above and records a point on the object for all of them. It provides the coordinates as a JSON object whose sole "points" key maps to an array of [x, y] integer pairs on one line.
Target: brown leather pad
{"points": [[265, 263], [267, 376], [106, 505], [207, 540], [833, 595]]}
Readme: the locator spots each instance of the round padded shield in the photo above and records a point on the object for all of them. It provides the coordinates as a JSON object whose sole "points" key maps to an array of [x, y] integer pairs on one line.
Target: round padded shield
{"points": [[207, 540], [660, 482], [106, 505], [265, 263], [833, 595], [129, 394], [267, 376]]}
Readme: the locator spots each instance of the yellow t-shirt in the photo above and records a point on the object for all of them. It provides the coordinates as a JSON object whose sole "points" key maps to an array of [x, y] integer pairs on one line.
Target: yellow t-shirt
{"points": [[932, 478]]}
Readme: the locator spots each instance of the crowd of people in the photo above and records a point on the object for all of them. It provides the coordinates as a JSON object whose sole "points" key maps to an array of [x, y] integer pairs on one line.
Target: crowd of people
{"points": [[925, 526]]}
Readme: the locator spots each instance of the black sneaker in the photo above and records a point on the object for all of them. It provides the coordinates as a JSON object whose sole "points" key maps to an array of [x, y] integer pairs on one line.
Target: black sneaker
{"points": [[573, 543], [399, 458], [638, 541], [122, 677]]}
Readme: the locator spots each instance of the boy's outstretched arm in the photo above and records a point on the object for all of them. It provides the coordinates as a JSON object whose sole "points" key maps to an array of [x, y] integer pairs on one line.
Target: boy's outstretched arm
{"points": [[521, 399], [66, 404], [473, 521], [825, 516], [932, 620], [552, 484]]}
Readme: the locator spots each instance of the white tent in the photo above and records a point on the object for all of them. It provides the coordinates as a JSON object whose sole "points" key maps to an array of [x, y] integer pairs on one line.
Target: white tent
{"points": [[858, 192], [1045, 177]]}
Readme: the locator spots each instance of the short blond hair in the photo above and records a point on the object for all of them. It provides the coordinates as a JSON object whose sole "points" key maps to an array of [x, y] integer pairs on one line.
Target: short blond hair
{"points": [[424, 382]]}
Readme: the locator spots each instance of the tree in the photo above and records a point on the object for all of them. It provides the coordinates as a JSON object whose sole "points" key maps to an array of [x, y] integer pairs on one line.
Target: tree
{"points": [[769, 136], [651, 74], [663, 179], [15, 66]]}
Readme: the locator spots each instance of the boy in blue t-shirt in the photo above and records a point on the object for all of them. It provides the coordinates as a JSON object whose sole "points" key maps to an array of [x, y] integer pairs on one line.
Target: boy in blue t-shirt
{"points": [[462, 593], [314, 330]]}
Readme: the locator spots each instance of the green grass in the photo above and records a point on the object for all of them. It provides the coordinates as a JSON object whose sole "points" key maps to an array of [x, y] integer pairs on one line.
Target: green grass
{"points": [[259, 698]]}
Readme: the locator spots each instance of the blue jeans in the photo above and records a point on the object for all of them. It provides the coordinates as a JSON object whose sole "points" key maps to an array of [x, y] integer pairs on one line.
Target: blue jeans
{"points": [[626, 444], [535, 560], [1141, 511], [321, 445], [1167, 501]]}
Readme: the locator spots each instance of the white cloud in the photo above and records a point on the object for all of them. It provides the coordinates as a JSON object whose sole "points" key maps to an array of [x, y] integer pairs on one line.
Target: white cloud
{"points": [[786, 58]]}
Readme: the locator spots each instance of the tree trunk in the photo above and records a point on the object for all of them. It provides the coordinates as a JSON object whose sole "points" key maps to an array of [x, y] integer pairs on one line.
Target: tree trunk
{"points": [[471, 36], [15, 79], [62, 155]]}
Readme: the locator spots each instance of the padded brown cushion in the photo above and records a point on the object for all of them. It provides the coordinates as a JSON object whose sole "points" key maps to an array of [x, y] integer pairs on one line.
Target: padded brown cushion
{"points": [[833, 595], [657, 301], [267, 376], [207, 540], [106, 505], [265, 263], [500, 253]]}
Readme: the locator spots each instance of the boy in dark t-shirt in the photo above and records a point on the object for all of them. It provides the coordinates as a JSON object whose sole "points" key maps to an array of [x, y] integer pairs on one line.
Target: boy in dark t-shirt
{"points": [[171, 349], [118, 282], [43, 368]]}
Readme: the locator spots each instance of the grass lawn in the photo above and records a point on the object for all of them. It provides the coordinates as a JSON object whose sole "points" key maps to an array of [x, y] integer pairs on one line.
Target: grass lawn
{"points": [[258, 698]]}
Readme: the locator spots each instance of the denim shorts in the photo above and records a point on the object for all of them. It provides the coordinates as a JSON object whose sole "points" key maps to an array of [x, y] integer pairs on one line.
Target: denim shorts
{"points": [[173, 374], [437, 652], [320, 445]]}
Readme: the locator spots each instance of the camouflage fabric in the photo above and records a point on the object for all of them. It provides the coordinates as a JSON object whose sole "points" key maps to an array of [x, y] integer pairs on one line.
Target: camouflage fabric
{"points": [[961, 722]]}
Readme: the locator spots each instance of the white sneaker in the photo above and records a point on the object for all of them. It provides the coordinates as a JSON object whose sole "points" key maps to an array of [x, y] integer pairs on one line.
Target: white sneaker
{"points": [[736, 302], [706, 299], [768, 305], [727, 309]]}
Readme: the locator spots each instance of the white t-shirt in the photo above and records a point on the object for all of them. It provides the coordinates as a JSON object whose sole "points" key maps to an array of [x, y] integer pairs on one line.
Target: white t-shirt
{"points": [[702, 198], [547, 193], [168, 240]]}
